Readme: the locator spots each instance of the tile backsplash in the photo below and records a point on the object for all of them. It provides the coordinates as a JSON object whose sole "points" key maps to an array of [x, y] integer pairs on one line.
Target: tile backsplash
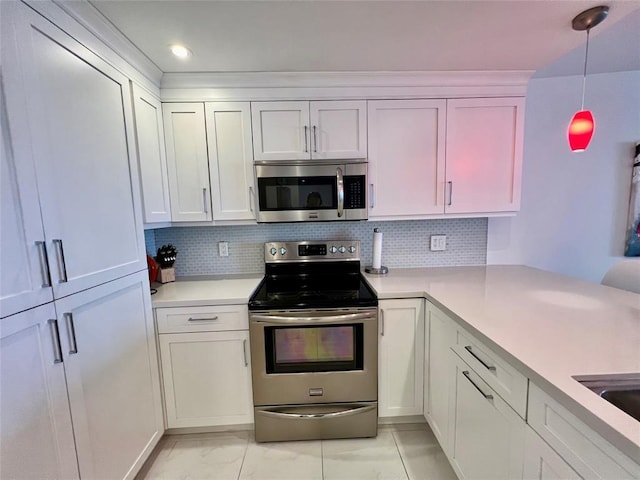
{"points": [[405, 243]]}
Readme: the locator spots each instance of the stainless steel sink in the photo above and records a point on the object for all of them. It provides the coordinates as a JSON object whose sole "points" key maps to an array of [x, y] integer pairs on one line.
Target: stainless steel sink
{"points": [[622, 390]]}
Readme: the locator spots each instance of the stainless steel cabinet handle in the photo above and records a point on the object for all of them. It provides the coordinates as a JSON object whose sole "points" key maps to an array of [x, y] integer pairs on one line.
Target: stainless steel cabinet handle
{"points": [[340, 182], [71, 331], [62, 266], [251, 198], [466, 374], [381, 323], [315, 140], [55, 336], [372, 195], [204, 319], [204, 199], [44, 264], [450, 192], [484, 364], [244, 352], [306, 143]]}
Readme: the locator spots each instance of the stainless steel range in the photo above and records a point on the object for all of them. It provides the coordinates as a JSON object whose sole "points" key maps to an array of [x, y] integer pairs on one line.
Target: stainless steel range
{"points": [[314, 344]]}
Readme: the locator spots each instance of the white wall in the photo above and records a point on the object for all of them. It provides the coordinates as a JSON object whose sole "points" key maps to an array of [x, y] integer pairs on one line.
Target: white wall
{"points": [[574, 205]]}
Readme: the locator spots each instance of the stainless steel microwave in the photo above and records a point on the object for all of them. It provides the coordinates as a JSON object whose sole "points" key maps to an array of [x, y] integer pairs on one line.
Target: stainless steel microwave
{"points": [[311, 192]]}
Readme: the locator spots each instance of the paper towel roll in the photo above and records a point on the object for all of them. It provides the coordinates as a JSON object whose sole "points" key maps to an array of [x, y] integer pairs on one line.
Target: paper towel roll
{"points": [[377, 248]]}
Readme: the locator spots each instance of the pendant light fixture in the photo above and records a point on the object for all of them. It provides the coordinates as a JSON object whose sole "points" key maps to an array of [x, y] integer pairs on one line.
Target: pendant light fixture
{"points": [[582, 124]]}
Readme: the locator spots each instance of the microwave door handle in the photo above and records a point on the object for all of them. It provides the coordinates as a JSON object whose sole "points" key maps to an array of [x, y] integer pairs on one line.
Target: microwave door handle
{"points": [[340, 191]]}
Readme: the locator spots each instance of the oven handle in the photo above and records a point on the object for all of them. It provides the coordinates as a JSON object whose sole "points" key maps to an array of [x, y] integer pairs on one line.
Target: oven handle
{"points": [[317, 320], [319, 416]]}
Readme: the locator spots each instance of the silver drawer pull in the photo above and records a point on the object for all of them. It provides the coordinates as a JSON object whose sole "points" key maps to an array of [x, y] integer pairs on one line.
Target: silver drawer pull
{"points": [[204, 319], [484, 364], [62, 266], [71, 332], [55, 337], [244, 352], [466, 374], [44, 264]]}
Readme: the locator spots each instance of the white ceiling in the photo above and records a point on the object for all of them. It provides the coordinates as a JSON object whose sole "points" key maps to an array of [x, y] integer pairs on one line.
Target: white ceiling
{"points": [[325, 35]]}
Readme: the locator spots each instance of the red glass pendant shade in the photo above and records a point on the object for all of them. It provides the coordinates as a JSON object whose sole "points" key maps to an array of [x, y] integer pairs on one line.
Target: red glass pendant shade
{"points": [[581, 130]]}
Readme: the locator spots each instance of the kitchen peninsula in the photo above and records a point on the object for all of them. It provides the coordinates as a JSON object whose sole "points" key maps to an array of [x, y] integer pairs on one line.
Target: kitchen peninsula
{"points": [[548, 328]]}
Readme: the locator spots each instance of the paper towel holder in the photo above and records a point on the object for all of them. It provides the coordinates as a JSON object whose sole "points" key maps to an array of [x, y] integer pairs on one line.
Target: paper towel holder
{"points": [[381, 269], [377, 271]]}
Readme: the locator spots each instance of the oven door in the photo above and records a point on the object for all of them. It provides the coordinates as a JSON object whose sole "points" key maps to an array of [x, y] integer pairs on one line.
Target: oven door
{"points": [[300, 193], [304, 357]]}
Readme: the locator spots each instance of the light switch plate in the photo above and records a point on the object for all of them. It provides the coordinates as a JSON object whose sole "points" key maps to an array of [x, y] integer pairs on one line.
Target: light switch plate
{"points": [[438, 243], [223, 249]]}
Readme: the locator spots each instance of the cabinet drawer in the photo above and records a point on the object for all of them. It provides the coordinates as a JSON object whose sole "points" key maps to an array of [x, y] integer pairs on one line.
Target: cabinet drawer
{"points": [[510, 384], [202, 319], [588, 453]]}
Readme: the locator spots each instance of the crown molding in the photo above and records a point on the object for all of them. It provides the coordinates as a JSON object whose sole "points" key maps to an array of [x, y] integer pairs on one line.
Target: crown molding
{"points": [[340, 85], [86, 24]]}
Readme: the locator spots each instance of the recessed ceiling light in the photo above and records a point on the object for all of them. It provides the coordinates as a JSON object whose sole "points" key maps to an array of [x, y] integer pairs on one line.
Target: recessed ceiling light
{"points": [[180, 51]]}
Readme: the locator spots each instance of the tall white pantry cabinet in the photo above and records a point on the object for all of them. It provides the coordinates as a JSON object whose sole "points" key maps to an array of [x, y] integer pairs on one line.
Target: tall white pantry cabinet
{"points": [[78, 363]]}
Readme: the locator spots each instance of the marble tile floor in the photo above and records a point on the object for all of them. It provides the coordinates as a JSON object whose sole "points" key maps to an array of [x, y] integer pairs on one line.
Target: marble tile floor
{"points": [[399, 452]]}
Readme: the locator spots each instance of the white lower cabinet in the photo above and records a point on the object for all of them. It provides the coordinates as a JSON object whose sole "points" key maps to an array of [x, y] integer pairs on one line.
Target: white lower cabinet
{"points": [[487, 439], [206, 365], [35, 421], [82, 368], [440, 335], [401, 357], [541, 462]]}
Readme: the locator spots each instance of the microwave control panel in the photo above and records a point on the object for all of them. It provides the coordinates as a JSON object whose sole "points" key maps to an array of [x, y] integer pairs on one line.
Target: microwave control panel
{"points": [[354, 191]]}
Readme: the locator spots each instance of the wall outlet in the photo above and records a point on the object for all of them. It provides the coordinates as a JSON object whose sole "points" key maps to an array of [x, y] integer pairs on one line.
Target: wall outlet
{"points": [[223, 249], [438, 243]]}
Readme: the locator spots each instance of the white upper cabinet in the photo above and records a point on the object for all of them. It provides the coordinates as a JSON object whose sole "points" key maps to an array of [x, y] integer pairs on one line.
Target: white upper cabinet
{"points": [[484, 154], [230, 160], [79, 115], [186, 141], [152, 158], [315, 130], [24, 271], [406, 158]]}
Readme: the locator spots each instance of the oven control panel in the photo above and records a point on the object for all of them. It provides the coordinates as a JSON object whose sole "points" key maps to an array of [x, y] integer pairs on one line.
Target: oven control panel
{"points": [[312, 251]]}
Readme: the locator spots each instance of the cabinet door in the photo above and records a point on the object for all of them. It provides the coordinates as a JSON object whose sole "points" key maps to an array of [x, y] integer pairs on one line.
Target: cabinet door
{"points": [[37, 439], [440, 335], [207, 378], [280, 131], [230, 160], [79, 109], [406, 158], [338, 129], [24, 274], [152, 158], [187, 162], [401, 357], [541, 462], [112, 376], [487, 441], [484, 154]]}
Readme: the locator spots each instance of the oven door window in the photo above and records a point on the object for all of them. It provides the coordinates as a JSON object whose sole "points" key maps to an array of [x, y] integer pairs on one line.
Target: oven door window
{"points": [[297, 193], [314, 349]]}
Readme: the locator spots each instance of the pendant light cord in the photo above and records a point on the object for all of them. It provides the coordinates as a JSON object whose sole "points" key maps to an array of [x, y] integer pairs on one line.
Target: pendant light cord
{"points": [[584, 75]]}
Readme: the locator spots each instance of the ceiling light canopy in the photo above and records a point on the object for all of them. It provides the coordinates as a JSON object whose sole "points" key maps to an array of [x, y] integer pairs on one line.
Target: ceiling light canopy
{"points": [[180, 51]]}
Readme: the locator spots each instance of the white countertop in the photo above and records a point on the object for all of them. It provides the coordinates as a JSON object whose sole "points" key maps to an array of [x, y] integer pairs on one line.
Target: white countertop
{"points": [[548, 326], [206, 290]]}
